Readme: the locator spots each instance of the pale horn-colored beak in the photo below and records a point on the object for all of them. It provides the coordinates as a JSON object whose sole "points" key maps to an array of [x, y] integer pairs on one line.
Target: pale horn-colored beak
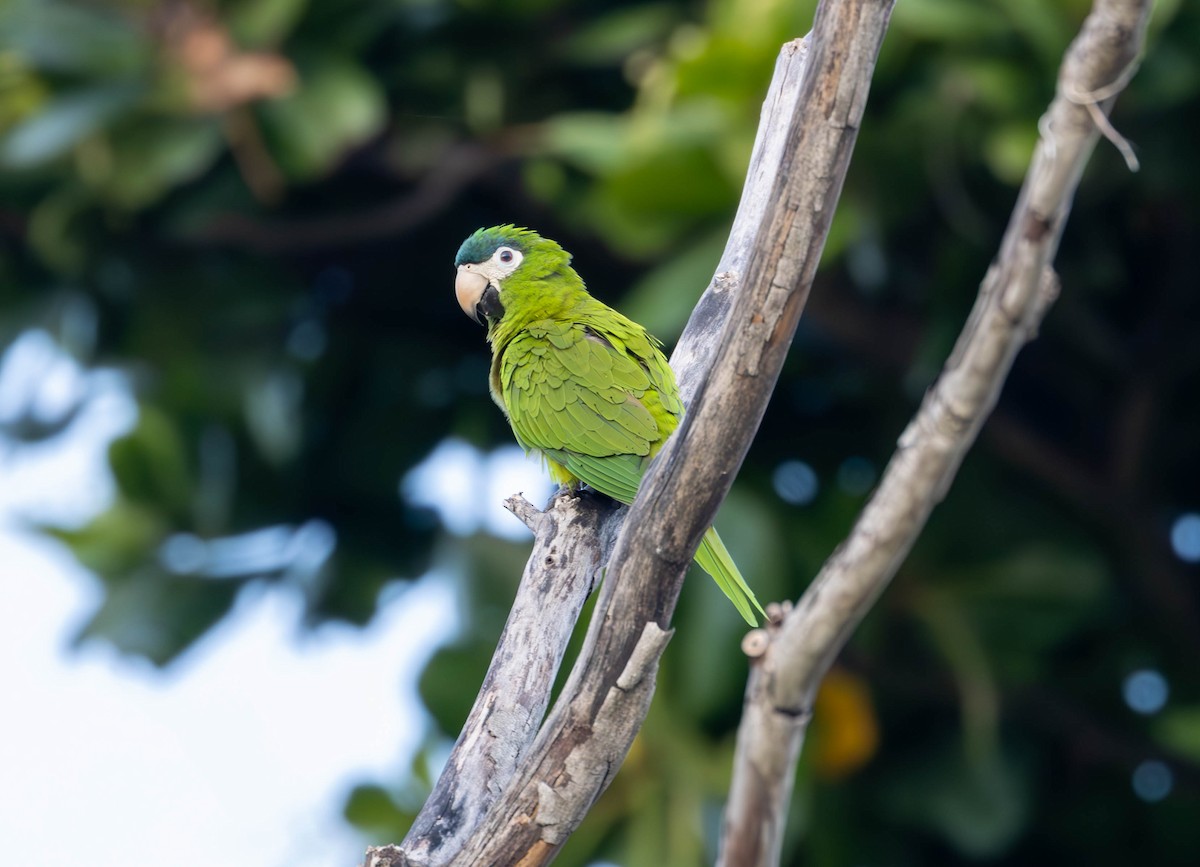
{"points": [[468, 288]]}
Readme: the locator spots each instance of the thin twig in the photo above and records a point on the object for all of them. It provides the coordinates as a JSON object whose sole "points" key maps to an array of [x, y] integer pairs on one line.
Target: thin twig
{"points": [[458, 168]]}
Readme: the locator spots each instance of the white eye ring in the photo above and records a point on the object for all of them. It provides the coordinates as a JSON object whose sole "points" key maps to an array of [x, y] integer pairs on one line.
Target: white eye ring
{"points": [[508, 256]]}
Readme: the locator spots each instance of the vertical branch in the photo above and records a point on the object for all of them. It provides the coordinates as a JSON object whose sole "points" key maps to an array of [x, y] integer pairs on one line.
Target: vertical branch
{"points": [[1013, 298]]}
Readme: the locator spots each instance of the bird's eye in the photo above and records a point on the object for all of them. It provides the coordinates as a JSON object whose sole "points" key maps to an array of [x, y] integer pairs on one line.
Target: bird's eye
{"points": [[506, 256]]}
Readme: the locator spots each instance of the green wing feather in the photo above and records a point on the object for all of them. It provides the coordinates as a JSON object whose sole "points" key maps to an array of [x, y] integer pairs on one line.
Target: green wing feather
{"points": [[597, 397], [570, 392]]}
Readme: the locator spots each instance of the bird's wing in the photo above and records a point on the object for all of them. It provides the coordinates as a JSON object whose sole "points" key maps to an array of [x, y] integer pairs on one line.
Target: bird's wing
{"points": [[585, 402]]}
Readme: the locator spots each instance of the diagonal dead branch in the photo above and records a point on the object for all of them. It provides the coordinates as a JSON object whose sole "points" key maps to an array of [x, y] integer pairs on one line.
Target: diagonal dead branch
{"points": [[524, 511], [427, 842], [460, 166], [567, 554], [681, 493], [1013, 298], [728, 363]]}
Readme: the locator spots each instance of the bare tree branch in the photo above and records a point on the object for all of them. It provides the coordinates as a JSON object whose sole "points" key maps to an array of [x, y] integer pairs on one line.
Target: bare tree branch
{"points": [[562, 571], [462, 796], [589, 731], [728, 365], [459, 167], [1013, 298]]}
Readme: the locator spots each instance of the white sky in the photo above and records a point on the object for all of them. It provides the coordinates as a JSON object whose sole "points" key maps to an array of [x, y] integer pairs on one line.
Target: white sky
{"points": [[241, 753]]}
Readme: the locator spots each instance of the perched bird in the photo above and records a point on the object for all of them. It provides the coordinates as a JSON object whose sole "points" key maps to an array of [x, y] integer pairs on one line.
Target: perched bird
{"points": [[579, 382]]}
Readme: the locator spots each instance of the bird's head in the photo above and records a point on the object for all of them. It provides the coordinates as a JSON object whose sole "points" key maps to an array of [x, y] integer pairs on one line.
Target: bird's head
{"points": [[492, 256]]}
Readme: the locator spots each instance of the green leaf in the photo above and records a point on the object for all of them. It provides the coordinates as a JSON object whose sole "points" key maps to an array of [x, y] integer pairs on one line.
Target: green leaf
{"points": [[1046, 26], [441, 684], [1178, 729], [73, 38], [1000, 87], [611, 38], [155, 156], [150, 464], [663, 299], [1051, 590], [1009, 149], [336, 107], [63, 123], [116, 541], [591, 141], [979, 807], [273, 409], [948, 20], [156, 615], [371, 809], [24, 91], [655, 200], [264, 22], [56, 228]]}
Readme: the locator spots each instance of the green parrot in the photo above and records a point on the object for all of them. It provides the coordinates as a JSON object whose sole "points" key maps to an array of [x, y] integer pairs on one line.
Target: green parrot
{"points": [[583, 385]]}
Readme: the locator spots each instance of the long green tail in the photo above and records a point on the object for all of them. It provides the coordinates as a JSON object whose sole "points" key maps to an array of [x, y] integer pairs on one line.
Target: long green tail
{"points": [[715, 560]]}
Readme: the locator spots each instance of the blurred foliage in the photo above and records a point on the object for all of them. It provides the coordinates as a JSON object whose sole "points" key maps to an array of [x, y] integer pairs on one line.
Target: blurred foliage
{"points": [[250, 209]]}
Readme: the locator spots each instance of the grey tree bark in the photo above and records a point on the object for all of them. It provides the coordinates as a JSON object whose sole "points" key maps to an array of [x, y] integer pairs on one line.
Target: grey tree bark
{"points": [[516, 786], [518, 803], [793, 654]]}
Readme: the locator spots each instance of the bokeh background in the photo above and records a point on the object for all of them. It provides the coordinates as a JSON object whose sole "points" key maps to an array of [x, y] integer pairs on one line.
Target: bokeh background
{"points": [[251, 548]]}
